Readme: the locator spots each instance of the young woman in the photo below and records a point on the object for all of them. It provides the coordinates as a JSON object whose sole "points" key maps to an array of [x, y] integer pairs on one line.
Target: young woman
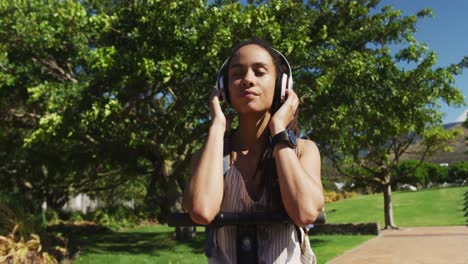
{"points": [[269, 169]]}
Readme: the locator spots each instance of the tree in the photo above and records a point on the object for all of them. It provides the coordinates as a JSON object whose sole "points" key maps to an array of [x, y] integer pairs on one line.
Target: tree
{"points": [[40, 46], [464, 62], [376, 108], [96, 95]]}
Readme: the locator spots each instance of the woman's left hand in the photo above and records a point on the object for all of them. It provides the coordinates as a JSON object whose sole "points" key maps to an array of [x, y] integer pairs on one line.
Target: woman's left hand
{"points": [[285, 113]]}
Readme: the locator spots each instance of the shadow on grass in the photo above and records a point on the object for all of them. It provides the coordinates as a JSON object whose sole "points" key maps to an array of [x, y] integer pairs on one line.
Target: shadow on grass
{"points": [[154, 243], [318, 242], [105, 241]]}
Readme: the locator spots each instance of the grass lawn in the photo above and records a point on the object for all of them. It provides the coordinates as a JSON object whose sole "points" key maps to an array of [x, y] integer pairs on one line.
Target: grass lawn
{"points": [[327, 247], [148, 244], [155, 244], [433, 207]]}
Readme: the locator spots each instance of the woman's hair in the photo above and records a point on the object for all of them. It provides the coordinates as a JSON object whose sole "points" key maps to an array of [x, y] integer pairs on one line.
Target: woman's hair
{"points": [[279, 66], [266, 167]]}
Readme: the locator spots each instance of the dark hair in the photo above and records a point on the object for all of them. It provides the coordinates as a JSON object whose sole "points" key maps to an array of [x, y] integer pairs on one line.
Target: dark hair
{"points": [[266, 167], [279, 66]]}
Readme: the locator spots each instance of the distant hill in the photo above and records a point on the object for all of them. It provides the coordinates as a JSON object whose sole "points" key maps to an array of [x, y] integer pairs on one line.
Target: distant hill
{"points": [[460, 148], [460, 152]]}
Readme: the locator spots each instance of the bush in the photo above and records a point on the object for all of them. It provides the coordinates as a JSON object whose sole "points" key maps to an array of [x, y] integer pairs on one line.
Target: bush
{"points": [[116, 217], [328, 185], [332, 196], [410, 172], [13, 251], [436, 173], [458, 172], [76, 217], [12, 212], [52, 217], [415, 173]]}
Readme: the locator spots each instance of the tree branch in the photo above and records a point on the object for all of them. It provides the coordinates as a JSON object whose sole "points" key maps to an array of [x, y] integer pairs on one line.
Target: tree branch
{"points": [[55, 70]]}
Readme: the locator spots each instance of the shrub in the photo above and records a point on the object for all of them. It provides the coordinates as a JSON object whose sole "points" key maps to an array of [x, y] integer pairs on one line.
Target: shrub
{"points": [[116, 217], [76, 217], [328, 185], [52, 216], [436, 173], [332, 196], [12, 215], [410, 172], [420, 174], [13, 251], [458, 172]]}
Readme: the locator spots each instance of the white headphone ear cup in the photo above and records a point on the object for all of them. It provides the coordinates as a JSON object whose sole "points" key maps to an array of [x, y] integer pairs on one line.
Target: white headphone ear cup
{"points": [[284, 86], [290, 83]]}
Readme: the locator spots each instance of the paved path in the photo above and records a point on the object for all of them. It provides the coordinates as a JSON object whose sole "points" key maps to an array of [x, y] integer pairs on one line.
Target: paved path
{"points": [[412, 245]]}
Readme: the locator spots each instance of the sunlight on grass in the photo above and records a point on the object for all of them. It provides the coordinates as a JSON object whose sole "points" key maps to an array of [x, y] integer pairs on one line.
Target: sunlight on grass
{"points": [[155, 243], [434, 207], [328, 247]]}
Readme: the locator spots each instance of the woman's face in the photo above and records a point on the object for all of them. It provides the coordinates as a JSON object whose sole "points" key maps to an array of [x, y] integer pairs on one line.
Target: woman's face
{"points": [[252, 77]]}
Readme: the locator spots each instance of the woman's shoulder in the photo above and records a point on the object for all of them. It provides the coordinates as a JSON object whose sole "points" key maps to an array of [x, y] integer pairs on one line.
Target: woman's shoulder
{"points": [[307, 147]]}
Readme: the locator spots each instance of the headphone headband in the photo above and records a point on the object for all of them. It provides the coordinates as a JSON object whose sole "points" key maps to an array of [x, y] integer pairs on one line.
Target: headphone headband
{"points": [[290, 79]]}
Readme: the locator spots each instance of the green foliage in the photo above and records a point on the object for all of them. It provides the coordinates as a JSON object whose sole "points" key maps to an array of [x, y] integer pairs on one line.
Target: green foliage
{"points": [[98, 96], [328, 185], [411, 172], [116, 218], [52, 216], [15, 212], [458, 172], [437, 173], [420, 174]]}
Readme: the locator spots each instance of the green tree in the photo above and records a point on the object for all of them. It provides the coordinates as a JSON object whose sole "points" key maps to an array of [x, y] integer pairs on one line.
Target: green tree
{"points": [[40, 46], [95, 95], [375, 108]]}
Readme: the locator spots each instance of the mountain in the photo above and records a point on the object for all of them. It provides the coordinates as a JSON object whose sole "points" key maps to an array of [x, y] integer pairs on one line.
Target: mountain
{"points": [[459, 145]]}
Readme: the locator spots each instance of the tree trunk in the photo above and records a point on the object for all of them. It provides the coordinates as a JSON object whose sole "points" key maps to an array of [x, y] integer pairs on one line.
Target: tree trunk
{"points": [[388, 210], [151, 200]]}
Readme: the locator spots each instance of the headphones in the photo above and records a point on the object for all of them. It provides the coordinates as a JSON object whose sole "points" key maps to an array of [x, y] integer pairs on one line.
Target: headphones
{"points": [[283, 82]]}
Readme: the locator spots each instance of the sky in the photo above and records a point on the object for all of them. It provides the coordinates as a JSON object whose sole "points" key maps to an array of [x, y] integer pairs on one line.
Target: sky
{"points": [[446, 33]]}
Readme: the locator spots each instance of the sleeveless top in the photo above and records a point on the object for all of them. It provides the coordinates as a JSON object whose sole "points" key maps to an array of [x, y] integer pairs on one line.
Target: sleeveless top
{"points": [[276, 243]]}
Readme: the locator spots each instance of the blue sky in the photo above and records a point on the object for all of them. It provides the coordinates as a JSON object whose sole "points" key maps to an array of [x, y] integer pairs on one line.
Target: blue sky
{"points": [[447, 34]]}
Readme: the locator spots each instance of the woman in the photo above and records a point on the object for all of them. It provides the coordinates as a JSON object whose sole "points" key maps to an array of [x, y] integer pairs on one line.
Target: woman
{"points": [[268, 171]]}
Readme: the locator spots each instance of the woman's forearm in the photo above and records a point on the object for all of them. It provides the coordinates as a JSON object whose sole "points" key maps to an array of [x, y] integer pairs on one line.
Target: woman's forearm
{"points": [[203, 195], [300, 185]]}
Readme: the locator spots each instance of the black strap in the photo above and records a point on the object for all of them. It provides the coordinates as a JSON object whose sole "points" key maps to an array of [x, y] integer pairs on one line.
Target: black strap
{"points": [[210, 246], [247, 244]]}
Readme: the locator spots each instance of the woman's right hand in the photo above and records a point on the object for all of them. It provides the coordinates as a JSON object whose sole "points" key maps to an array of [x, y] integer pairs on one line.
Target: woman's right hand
{"points": [[217, 116]]}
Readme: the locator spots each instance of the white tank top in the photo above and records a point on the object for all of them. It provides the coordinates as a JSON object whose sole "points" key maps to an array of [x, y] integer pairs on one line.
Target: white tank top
{"points": [[276, 243]]}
